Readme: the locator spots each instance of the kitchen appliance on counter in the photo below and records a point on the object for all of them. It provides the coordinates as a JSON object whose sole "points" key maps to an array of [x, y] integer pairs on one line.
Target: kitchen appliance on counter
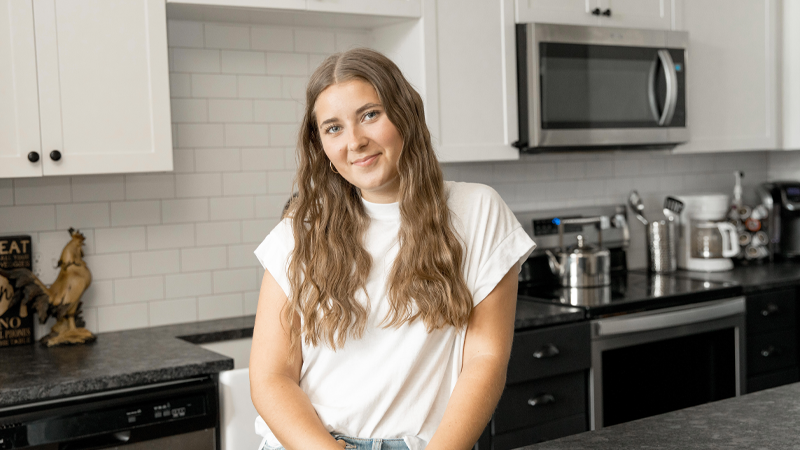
{"points": [[165, 416], [659, 342], [782, 198], [582, 265], [708, 241], [582, 86]]}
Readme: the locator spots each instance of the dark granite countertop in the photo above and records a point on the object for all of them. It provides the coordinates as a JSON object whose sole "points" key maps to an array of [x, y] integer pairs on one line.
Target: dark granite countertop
{"points": [[151, 355], [767, 419], [753, 278]]}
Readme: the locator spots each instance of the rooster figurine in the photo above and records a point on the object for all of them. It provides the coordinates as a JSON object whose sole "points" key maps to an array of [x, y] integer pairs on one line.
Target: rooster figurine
{"points": [[62, 299]]}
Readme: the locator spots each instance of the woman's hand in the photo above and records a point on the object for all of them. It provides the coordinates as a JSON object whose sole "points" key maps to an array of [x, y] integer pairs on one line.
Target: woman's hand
{"points": [[487, 349], [275, 377]]}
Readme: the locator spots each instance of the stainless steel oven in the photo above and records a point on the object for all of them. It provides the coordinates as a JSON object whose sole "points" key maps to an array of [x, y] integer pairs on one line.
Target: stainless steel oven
{"points": [[663, 360], [600, 87]]}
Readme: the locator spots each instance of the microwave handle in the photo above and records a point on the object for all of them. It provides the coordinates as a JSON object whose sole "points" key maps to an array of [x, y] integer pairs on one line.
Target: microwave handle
{"points": [[671, 75]]}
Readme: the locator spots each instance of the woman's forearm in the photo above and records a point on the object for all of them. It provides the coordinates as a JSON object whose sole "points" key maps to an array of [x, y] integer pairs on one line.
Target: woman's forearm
{"points": [[471, 404], [290, 415]]}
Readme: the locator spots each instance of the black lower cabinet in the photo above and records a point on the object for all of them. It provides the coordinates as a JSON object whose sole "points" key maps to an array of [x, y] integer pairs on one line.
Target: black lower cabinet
{"points": [[546, 395], [772, 339]]}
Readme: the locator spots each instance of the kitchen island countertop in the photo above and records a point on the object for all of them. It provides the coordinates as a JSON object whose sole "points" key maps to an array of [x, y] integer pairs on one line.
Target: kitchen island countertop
{"points": [[152, 355], [764, 419]]}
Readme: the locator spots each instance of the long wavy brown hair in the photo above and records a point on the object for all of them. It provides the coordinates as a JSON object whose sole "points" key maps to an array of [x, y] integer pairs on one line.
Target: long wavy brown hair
{"points": [[329, 264]]}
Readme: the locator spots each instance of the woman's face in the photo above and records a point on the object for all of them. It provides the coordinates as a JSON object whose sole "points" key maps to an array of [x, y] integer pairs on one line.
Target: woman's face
{"points": [[360, 141]]}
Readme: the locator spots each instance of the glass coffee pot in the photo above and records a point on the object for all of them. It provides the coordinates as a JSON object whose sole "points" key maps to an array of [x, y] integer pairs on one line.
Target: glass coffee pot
{"points": [[711, 239]]}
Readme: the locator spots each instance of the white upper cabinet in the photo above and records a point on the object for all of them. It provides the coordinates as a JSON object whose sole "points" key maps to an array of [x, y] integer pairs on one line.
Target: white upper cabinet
{"points": [[388, 8], [654, 14], [103, 86], [731, 75], [791, 74], [19, 104], [476, 80]]}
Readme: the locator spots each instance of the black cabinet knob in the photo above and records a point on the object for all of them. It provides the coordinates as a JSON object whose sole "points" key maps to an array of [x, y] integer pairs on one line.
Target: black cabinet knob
{"points": [[770, 351], [33, 156], [771, 309], [55, 155], [607, 12], [541, 400], [596, 11]]}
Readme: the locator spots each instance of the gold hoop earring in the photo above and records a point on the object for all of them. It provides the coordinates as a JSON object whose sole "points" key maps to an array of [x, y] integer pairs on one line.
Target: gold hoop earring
{"points": [[331, 165]]}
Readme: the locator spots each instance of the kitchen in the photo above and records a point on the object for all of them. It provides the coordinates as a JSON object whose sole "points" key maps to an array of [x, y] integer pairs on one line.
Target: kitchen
{"points": [[170, 244]]}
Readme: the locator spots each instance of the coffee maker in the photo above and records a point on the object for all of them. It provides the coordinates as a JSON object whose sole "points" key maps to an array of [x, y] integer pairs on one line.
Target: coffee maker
{"points": [[782, 199], [707, 239]]}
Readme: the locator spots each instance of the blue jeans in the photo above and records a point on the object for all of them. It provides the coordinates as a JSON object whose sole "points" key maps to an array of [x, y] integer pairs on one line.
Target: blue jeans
{"points": [[362, 444]]}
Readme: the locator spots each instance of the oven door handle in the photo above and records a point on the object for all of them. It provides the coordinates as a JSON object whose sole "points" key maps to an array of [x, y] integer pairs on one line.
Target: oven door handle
{"points": [[667, 318]]}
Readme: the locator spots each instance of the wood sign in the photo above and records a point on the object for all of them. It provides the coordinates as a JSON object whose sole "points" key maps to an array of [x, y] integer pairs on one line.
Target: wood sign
{"points": [[16, 322]]}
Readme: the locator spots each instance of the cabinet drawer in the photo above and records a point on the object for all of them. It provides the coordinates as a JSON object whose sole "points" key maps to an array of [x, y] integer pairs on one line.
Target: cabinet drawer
{"points": [[550, 351], [540, 401], [545, 432], [770, 311], [770, 380], [771, 351]]}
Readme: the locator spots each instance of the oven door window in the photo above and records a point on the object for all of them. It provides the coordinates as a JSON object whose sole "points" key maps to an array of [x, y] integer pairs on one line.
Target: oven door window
{"points": [[598, 86], [663, 376]]}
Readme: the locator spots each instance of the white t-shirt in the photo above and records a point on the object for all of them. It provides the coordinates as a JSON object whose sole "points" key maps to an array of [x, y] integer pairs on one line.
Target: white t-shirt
{"points": [[395, 382]]}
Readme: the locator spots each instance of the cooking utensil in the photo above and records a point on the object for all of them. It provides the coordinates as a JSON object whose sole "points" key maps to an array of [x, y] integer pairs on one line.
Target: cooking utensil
{"points": [[662, 246], [672, 208], [582, 265], [635, 202]]}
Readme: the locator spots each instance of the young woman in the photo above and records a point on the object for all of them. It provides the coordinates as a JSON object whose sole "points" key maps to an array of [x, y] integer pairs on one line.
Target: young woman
{"points": [[386, 312]]}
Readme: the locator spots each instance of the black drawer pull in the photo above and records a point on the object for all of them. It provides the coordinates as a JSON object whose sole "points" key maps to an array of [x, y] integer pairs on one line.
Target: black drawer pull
{"points": [[546, 351], [771, 309], [770, 351], [596, 12], [541, 400]]}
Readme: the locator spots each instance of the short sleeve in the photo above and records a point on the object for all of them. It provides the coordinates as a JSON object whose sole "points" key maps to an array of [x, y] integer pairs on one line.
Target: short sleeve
{"points": [[274, 252], [494, 239]]}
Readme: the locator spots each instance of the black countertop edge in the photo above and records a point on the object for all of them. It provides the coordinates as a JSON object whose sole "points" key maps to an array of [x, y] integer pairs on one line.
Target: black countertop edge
{"points": [[534, 314]]}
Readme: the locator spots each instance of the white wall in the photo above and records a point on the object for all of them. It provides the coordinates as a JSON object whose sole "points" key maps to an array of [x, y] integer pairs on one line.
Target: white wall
{"points": [[177, 247]]}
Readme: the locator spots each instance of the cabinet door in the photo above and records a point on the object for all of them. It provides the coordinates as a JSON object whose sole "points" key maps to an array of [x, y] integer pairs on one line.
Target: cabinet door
{"points": [[569, 12], [731, 75], [280, 4], [653, 14], [397, 8], [103, 85], [19, 104]]}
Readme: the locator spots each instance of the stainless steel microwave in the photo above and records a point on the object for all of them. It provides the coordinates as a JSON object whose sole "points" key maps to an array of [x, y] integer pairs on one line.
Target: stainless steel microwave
{"points": [[600, 87]]}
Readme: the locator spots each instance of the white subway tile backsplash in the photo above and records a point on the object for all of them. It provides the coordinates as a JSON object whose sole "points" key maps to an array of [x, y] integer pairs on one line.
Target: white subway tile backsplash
{"points": [[254, 231], [184, 34], [146, 212], [188, 284], [243, 62], [570, 170], [287, 64], [6, 192], [315, 61], [242, 256], [220, 306], [290, 158], [149, 186], [236, 280], [155, 262], [247, 135], [263, 159], [217, 160], [98, 188], [294, 88], [40, 191], [256, 86], [189, 110], [282, 135], [170, 236], [109, 267], [312, 40], [180, 85], [195, 60], [232, 208], [138, 290], [345, 40], [184, 210], [279, 39], [99, 293], [182, 160], [82, 215], [250, 302], [213, 86], [270, 206], [275, 111], [227, 36], [116, 240], [201, 135], [626, 167], [170, 312], [218, 233], [280, 182], [198, 185], [203, 258], [244, 183], [122, 317], [230, 111]]}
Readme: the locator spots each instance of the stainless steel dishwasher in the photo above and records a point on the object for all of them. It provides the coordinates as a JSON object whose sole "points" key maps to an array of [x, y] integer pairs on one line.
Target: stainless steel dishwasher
{"points": [[173, 415]]}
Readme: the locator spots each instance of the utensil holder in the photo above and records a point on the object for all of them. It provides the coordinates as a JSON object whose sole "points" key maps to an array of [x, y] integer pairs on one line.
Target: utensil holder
{"points": [[662, 246]]}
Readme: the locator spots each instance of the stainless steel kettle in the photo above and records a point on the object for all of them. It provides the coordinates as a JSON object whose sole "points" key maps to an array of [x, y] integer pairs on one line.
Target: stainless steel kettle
{"points": [[582, 265]]}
